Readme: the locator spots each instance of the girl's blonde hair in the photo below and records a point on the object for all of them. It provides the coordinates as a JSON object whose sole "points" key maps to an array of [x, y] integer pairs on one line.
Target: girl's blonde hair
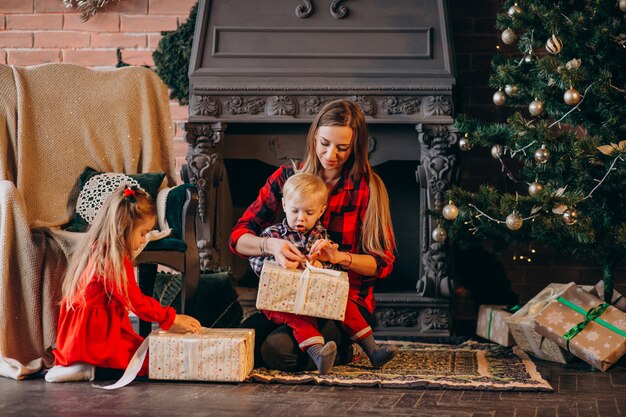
{"points": [[100, 253], [377, 231], [302, 185]]}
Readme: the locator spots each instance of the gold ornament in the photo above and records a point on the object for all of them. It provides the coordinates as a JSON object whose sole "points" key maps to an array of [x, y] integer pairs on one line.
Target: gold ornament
{"points": [[571, 96], [542, 155], [497, 151], [439, 234], [529, 58], [499, 98], [511, 90], [554, 45], [622, 5], [465, 144], [514, 221], [536, 107], [570, 216], [535, 188], [450, 211], [508, 36], [513, 10]]}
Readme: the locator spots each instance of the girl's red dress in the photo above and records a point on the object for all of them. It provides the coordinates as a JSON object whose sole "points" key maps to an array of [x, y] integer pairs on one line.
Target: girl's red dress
{"points": [[97, 329]]}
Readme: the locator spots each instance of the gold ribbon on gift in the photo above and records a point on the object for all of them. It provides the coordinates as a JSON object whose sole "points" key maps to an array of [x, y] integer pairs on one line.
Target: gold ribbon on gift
{"points": [[303, 284], [592, 315]]}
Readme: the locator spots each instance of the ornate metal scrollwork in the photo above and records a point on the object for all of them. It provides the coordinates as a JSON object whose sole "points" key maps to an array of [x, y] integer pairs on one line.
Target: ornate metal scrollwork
{"points": [[338, 10], [204, 106], [396, 317], [281, 106], [433, 318], [438, 159], [312, 104], [437, 106], [404, 105], [367, 104], [206, 170], [240, 105], [304, 10]]}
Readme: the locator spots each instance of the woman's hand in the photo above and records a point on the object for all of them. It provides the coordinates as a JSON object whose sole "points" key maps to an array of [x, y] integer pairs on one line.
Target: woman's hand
{"points": [[185, 324], [286, 253], [326, 251]]}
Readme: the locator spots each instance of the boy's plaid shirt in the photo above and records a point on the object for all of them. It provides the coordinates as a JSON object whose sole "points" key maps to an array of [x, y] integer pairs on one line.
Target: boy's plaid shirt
{"points": [[342, 219], [303, 242]]}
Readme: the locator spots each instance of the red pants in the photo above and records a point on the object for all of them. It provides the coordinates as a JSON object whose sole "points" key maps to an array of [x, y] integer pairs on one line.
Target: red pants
{"points": [[305, 329]]}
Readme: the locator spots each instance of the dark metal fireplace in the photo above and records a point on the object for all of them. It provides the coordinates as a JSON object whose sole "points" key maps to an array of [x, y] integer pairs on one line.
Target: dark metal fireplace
{"points": [[261, 70]]}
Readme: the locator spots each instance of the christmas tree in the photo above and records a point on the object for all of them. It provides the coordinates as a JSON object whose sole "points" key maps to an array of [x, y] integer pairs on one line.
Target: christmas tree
{"points": [[563, 150]]}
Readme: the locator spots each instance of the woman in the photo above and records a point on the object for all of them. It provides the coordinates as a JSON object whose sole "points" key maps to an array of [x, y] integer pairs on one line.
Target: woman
{"points": [[357, 220]]}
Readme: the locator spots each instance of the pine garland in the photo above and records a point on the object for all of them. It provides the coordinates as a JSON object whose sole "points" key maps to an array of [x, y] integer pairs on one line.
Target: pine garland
{"points": [[88, 8]]}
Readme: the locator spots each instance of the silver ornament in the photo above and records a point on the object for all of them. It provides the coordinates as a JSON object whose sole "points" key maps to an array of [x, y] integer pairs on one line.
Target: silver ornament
{"points": [[465, 144], [508, 36], [511, 90], [536, 107], [554, 45], [535, 188], [542, 155], [571, 96], [439, 234], [499, 98], [529, 58], [450, 211], [513, 10], [497, 151], [514, 221], [622, 5], [570, 216]]}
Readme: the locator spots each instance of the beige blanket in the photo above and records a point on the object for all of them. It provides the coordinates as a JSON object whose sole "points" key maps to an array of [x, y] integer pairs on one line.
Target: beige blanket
{"points": [[57, 119]]}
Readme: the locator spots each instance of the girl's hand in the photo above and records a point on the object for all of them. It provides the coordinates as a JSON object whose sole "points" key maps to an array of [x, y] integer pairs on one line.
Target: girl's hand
{"points": [[325, 250], [185, 324], [286, 253]]}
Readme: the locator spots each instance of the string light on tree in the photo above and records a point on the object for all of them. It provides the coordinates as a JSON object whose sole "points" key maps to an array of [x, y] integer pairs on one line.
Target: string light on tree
{"points": [[571, 96], [499, 98], [439, 234], [570, 216], [536, 107], [554, 45], [450, 211], [508, 36], [465, 144]]}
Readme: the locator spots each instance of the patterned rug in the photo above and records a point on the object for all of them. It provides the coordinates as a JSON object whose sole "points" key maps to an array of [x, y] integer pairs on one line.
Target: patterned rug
{"points": [[469, 366]]}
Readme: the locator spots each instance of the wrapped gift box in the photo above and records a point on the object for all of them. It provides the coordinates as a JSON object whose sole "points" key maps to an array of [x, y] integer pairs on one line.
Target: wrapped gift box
{"points": [[601, 343], [617, 300], [314, 292], [224, 355], [492, 325], [522, 327]]}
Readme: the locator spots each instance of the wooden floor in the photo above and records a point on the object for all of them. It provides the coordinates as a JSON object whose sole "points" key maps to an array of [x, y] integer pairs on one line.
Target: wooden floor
{"points": [[579, 392]]}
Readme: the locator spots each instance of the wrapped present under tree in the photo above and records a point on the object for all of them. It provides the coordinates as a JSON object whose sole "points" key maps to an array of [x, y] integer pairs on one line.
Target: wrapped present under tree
{"points": [[492, 325]]}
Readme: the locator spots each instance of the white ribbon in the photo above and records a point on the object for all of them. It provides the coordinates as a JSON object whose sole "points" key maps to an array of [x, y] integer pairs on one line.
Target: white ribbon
{"points": [[191, 356], [303, 285], [133, 368]]}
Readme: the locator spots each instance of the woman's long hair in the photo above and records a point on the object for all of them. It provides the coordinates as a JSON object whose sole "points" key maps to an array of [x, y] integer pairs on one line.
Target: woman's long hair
{"points": [[377, 231], [101, 251]]}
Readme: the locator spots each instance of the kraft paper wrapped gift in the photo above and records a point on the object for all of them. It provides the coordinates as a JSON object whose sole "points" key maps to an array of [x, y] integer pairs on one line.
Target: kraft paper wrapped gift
{"points": [[522, 327], [492, 325], [222, 355], [314, 292], [596, 331], [618, 300]]}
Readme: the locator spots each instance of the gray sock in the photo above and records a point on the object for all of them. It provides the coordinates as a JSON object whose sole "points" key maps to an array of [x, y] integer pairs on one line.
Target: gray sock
{"points": [[379, 355], [323, 356]]}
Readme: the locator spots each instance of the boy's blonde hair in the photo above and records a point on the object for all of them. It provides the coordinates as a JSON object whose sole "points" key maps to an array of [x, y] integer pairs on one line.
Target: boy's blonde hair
{"points": [[100, 253], [302, 185]]}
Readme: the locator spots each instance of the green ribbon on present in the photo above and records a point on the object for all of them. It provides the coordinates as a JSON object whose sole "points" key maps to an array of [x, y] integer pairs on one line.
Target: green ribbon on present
{"points": [[509, 309], [592, 315], [513, 309]]}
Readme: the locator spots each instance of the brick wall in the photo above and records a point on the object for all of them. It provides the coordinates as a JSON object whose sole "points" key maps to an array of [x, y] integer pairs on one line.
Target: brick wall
{"points": [[42, 31]]}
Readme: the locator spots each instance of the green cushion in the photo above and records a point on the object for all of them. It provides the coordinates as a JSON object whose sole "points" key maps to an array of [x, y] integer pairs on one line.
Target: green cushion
{"points": [[174, 208], [102, 184], [168, 244]]}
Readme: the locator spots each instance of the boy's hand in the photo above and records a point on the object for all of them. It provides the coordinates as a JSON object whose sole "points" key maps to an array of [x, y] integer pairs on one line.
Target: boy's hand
{"points": [[285, 252], [324, 250], [185, 324]]}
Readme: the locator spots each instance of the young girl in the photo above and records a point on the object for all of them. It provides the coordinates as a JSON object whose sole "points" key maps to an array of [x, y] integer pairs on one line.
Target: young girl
{"points": [[99, 289], [357, 218]]}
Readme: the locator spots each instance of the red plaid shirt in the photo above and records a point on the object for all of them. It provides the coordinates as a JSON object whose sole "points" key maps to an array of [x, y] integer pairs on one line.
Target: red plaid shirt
{"points": [[342, 219]]}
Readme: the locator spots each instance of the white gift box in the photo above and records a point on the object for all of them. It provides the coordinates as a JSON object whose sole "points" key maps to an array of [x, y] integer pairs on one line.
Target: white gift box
{"points": [[314, 292], [224, 355]]}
